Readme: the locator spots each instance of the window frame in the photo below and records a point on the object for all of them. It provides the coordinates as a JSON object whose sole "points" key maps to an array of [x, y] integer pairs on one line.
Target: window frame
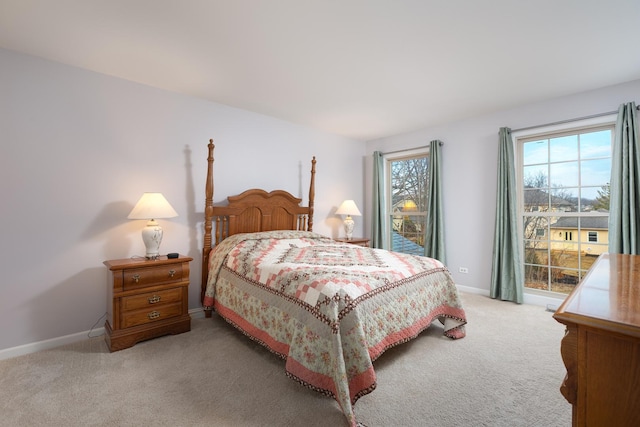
{"points": [[519, 137], [388, 208]]}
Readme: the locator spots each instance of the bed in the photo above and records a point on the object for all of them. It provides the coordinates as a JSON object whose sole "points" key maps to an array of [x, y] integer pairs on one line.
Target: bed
{"points": [[328, 308]]}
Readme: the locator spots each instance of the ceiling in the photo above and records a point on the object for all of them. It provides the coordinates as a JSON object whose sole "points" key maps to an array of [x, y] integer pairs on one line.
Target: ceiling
{"points": [[364, 69]]}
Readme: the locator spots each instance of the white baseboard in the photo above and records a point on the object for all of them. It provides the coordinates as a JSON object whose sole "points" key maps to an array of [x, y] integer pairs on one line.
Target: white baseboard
{"points": [[196, 313], [34, 347], [549, 301], [48, 344], [472, 290]]}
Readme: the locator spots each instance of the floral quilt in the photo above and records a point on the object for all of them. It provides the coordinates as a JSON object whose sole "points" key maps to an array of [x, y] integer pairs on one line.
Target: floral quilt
{"points": [[329, 308]]}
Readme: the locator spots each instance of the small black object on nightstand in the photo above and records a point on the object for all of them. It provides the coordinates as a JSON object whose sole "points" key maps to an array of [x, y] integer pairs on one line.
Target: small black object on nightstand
{"points": [[172, 255]]}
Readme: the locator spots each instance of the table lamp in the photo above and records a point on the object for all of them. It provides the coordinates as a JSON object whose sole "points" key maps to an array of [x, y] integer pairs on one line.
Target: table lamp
{"points": [[348, 208], [152, 206]]}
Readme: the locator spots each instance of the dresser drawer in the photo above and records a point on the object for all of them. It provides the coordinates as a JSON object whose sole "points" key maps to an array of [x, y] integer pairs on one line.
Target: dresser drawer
{"points": [[151, 314], [142, 277], [147, 298], [150, 299]]}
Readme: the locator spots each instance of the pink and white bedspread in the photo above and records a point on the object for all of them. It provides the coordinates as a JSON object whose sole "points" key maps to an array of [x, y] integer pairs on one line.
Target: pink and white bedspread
{"points": [[328, 308]]}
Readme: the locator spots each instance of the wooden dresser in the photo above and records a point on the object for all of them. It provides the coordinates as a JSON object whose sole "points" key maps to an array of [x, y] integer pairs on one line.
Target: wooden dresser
{"points": [[601, 346], [146, 299]]}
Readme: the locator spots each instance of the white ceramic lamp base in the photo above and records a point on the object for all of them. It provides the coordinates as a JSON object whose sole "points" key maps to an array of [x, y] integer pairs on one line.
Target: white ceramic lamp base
{"points": [[348, 227], [152, 237]]}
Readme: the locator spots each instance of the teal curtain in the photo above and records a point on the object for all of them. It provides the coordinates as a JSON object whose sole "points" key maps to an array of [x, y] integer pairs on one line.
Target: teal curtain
{"points": [[624, 202], [434, 234], [507, 278], [378, 223]]}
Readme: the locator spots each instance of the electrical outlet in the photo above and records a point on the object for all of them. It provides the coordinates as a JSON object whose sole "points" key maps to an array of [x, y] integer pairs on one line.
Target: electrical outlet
{"points": [[464, 270]]}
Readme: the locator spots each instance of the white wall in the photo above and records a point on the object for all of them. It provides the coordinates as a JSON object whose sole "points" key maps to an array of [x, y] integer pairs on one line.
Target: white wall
{"points": [[79, 149], [470, 158]]}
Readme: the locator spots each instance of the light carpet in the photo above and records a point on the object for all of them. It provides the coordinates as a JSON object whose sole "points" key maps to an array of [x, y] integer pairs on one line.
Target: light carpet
{"points": [[506, 372]]}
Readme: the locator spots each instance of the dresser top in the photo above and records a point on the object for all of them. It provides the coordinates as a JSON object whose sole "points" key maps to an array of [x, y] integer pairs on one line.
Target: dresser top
{"points": [[136, 262], [608, 297]]}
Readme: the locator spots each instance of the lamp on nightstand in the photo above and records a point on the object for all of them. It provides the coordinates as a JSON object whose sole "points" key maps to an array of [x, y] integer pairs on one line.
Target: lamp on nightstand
{"points": [[152, 206], [348, 208]]}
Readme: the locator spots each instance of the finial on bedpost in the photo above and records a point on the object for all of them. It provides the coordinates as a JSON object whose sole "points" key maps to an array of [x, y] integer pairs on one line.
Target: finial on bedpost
{"points": [[312, 192]]}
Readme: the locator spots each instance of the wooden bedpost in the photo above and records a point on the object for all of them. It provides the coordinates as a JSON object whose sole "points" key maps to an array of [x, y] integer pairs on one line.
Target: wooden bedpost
{"points": [[208, 216], [312, 193]]}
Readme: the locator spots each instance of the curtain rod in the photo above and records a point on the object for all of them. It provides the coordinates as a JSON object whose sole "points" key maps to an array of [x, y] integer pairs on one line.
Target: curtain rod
{"points": [[561, 122], [411, 149]]}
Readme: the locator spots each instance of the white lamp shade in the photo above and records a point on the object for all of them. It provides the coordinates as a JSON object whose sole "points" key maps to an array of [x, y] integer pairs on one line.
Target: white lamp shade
{"points": [[348, 207], [152, 206]]}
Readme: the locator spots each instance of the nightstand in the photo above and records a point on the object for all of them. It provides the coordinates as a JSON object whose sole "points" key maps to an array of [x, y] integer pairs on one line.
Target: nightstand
{"points": [[146, 299], [360, 241]]}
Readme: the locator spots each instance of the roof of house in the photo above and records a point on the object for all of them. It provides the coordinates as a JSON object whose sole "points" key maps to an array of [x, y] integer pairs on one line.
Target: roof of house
{"points": [[400, 243], [589, 222]]}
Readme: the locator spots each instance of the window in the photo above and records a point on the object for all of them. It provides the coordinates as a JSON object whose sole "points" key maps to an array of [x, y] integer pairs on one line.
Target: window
{"points": [[564, 179], [407, 195]]}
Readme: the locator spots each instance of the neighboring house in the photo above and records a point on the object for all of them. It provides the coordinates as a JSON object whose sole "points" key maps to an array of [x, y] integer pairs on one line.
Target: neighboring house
{"points": [[536, 200], [593, 234], [404, 209]]}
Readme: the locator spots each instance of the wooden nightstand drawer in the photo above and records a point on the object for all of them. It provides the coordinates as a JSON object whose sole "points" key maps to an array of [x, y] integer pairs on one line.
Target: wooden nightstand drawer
{"points": [[147, 299], [150, 299], [142, 277], [148, 315]]}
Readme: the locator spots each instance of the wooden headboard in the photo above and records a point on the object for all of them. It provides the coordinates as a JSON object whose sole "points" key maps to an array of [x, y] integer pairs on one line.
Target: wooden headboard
{"points": [[251, 211]]}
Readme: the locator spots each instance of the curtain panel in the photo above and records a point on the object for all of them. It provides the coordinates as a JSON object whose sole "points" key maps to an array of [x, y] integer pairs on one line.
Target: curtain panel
{"points": [[378, 223], [434, 233], [624, 203], [507, 277]]}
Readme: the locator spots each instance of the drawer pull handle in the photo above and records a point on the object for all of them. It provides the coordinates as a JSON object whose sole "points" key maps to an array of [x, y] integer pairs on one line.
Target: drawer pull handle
{"points": [[172, 273], [153, 315], [154, 299], [136, 278]]}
